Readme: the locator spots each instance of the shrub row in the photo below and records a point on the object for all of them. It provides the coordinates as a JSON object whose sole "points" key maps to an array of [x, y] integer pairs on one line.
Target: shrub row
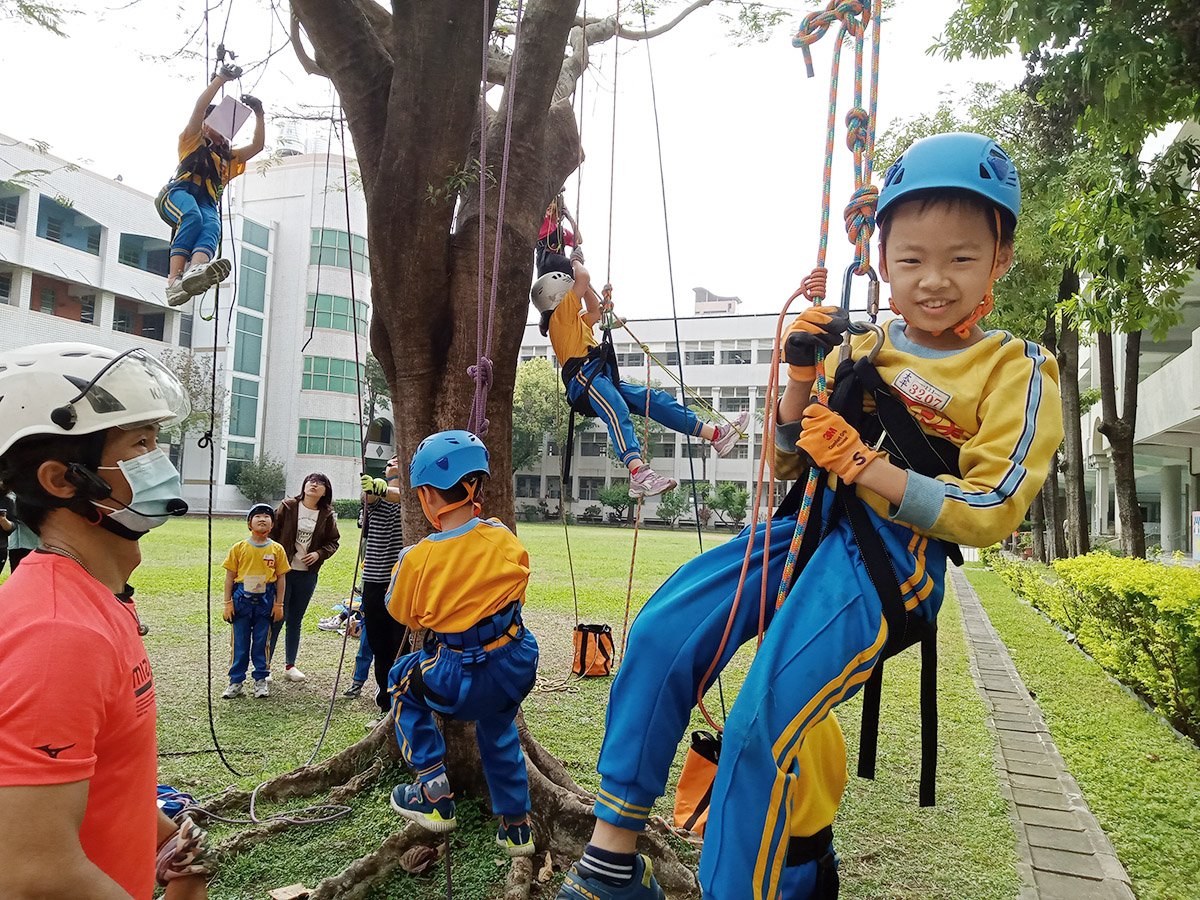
{"points": [[1140, 620]]}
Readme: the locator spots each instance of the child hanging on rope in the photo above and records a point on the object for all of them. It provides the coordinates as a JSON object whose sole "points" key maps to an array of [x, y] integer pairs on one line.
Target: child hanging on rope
{"points": [[553, 240], [594, 385], [464, 584], [255, 585], [189, 202], [985, 404]]}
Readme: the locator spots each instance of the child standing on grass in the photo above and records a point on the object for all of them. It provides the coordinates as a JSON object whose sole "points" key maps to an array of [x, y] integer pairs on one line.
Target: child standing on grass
{"points": [[255, 586], [570, 309], [464, 584]]}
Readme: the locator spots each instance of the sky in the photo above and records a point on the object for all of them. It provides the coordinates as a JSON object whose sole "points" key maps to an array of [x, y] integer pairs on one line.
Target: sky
{"points": [[743, 130]]}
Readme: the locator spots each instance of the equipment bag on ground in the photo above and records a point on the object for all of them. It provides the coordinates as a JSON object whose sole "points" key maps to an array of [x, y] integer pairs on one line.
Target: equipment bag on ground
{"points": [[694, 791], [593, 651]]}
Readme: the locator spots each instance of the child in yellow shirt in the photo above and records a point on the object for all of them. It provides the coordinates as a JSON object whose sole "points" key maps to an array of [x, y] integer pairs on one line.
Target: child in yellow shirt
{"points": [[465, 585], [255, 585]]}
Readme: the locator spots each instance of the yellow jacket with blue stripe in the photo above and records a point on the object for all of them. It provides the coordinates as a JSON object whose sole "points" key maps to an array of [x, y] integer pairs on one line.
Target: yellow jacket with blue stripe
{"points": [[453, 579], [570, 336], [997, 401]]}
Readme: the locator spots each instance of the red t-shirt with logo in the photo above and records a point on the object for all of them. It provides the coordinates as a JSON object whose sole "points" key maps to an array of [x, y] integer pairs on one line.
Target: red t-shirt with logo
{"points": [[77, 703]]}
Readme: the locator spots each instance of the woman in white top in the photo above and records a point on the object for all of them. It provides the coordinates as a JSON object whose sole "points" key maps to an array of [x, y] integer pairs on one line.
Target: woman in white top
{"points": [[307, 528]]}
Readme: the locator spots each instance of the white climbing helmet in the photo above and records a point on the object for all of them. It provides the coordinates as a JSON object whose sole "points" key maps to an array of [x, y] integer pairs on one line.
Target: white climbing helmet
{"points": [[549, 290], [77, 389]]}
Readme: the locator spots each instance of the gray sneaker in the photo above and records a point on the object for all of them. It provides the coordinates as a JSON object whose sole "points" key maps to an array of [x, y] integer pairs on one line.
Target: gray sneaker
{"points": [[648, 483], [731, 434], [199, 279], [262, 689], [176, 295], [234, 690]]}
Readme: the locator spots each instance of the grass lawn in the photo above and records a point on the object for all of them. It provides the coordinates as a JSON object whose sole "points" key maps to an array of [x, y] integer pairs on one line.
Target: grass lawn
{"points": [[1140, 779], [890, 848]]}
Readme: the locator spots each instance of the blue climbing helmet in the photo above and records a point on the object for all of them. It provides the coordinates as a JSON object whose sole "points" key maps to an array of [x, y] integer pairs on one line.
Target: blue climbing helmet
{"points": [[957, 159], [444, 459]]}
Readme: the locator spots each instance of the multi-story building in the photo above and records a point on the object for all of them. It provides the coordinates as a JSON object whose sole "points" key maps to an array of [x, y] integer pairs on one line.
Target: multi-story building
{"points": [[84, 258]]}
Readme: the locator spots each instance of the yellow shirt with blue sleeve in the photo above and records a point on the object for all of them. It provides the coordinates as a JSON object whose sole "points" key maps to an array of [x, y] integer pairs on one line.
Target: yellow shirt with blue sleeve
{"points": [[255, 566], [570, 336], [454, 579], [996, 400], [227, 169]]}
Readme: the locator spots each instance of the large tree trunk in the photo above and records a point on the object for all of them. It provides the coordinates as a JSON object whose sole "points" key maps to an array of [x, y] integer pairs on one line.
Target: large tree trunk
{"points": [[1119, 430], [1055, 542], [1037, 526], [1068, 366]]}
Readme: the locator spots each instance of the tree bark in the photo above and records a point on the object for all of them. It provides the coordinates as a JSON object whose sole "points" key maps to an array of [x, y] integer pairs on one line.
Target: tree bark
{"points": [[1055, 540], [1119, 430], [1078, 520], [1037, 526]]}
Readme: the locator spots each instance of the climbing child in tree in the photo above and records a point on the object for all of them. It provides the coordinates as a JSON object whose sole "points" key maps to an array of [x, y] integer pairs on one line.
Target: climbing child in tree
{"points": [[570, 308], [189, 201], [464, 585], [553, 240], [255, 586], [956, 441]]}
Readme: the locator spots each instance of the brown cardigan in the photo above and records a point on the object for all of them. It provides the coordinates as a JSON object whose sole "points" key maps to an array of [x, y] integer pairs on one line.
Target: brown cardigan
{"points": [[325, 537]]}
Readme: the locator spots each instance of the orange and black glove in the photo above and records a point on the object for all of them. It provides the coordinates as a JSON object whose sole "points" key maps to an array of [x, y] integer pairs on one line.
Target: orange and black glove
{"points": [[833, 443], [228, 615], [817, 328]]}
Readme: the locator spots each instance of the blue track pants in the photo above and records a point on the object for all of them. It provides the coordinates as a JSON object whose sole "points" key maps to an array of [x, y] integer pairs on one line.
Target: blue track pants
{"points": [[251, 625], [613, 403], [196, 219], [489, 694], [821, 646]]}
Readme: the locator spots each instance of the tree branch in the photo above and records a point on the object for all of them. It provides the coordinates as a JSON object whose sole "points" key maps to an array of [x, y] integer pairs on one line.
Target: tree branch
{"points": [[307, 63], [630, 35]]}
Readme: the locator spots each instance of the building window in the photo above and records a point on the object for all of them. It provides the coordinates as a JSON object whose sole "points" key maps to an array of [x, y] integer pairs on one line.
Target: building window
{"points": [[9, 207], [590, 488], [662, 446], [253, 233], [154, 326], [694, 399], [741, 450], [252, 288], [247, 352], [738, 355], [93, 241], [633, 358], [329, 311], [87, 309], [670, 358], [54, 227], [337, 248], [185, 330], [529, 486], [329, 438], [698, 357], [735, 399], [237, 455], [243, 407], [553, 486], [123, 320], [593, 443], [46, 301], [5, 286], [324, 373]]}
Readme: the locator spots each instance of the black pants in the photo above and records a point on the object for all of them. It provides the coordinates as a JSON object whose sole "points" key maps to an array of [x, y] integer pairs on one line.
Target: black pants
{"points": [[15, 557], [385, 636]]}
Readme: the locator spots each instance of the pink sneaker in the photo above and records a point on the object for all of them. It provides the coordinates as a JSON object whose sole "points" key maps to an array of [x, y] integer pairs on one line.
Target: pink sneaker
{"points": [[648, 483], [731, 434]]}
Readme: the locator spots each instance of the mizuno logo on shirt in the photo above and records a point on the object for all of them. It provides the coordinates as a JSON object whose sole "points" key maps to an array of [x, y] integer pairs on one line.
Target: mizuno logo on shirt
{"points": [[53, 752]]}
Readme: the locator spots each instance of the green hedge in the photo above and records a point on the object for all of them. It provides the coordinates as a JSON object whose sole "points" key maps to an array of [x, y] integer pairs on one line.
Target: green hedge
{"points": [[1138, 619], [347, 507]]}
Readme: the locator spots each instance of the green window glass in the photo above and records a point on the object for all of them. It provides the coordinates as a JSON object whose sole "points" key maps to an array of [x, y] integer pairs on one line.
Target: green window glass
{"points": [[243, 407], [325, 437], [331, 247], [331, 311], [247, 349], [252, 283], [236, 456], [322, 373], [253, 233]]}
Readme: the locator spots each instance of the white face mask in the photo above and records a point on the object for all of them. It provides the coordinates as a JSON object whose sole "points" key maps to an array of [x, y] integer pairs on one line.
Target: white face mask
{"points": [[156, 489]]}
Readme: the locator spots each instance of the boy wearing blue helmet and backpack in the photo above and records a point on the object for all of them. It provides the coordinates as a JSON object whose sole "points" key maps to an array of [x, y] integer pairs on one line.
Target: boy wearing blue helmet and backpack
{"points": [[464, 584], [957, 438]]}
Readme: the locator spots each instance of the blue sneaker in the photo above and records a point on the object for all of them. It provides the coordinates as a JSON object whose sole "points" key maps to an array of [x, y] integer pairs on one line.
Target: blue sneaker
{"points": [[515, 840], [642, 887], [411, 801]]}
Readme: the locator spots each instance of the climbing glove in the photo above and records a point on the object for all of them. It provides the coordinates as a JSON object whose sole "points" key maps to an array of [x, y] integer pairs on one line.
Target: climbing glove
{"points": [[228, 72], [253, 102], [817, 328], [277, 613], [377, 487], [833, 443], [228, 614]]}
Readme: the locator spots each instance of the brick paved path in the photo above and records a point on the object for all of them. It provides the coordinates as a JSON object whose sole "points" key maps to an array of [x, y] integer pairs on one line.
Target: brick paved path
{"points": [[1062, 852]]}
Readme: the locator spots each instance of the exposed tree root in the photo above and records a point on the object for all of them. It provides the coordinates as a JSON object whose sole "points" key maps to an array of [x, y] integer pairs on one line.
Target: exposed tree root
{"points": [[367, 871], [520, 878]]}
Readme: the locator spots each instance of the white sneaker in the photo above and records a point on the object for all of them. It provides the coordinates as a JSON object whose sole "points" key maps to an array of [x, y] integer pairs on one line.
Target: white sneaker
{"points": [[333, 623], [261, 689], [293, 674], [731, 434], [176, 295], [234, 690], [200, 278], [648, 483]]}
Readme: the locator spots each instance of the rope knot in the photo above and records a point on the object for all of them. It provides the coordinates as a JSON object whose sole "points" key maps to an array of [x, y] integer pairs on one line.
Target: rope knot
{"points": [[858, 123], [481, 373], [812, 286], [860, 223], [853, 14]]}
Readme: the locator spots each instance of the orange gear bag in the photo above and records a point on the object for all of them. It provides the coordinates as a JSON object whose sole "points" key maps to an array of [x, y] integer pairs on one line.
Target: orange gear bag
{"points": [[693, 794], [594, 651]]}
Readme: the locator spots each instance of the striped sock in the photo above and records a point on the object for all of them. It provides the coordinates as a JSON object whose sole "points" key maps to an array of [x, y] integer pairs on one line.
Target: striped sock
{"points": [[615, 869]]}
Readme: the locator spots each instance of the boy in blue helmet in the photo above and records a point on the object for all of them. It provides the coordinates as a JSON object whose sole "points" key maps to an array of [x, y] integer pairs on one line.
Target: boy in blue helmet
{"points": [[987, 406], [464, 585]]}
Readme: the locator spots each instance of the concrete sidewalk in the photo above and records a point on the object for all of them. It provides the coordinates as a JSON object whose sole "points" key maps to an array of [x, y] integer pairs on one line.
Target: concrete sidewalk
{"points": [[1062, 852]]}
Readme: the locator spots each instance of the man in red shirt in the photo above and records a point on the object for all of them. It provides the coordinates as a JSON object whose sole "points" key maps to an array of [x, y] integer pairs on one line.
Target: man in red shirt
{"points": [[78, 757]]}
